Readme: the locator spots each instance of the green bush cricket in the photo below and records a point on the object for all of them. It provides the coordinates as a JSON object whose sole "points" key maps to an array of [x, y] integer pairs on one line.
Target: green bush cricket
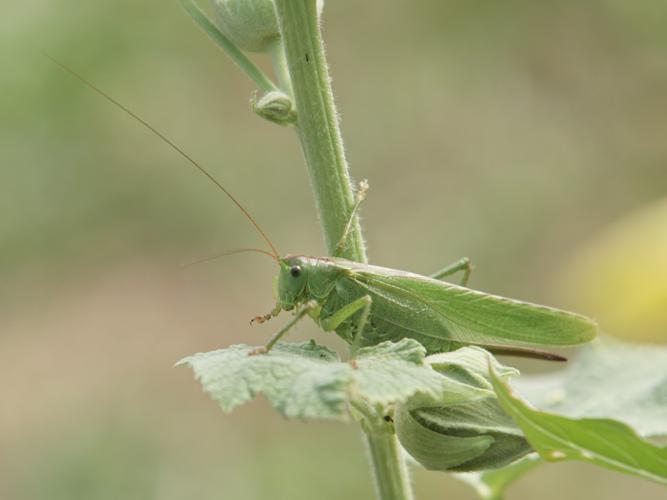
{"points": [[366, 304]]}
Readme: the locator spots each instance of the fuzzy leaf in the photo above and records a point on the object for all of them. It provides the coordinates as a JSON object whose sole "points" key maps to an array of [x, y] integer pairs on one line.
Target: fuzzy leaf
{"points": [[604, 442], [300, 380], [305, 380], [395, 372]]}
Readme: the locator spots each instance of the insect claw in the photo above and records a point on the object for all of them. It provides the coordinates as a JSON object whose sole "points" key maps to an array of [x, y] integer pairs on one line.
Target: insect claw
{"points": [[260, 319], [257, 351], [265, 317]]}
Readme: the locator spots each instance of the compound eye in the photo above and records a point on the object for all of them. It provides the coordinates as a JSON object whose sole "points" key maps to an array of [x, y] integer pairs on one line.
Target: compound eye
{"points": [[295, 271]]}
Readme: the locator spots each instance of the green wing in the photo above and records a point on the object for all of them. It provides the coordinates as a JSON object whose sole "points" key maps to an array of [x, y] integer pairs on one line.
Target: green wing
{"points": [[435, 312]]}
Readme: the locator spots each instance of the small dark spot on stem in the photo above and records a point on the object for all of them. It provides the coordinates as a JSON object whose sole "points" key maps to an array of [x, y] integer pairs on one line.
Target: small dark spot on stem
{"points": [[387, 418], [307, 57]]}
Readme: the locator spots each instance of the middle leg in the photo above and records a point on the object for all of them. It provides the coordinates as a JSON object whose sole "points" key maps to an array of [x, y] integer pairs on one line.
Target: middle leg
{"points": [[336, 319], [460, 265]]}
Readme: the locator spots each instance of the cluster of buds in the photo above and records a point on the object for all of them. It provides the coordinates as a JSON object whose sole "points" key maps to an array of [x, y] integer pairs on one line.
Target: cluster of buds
{"points": [[471, 436]]}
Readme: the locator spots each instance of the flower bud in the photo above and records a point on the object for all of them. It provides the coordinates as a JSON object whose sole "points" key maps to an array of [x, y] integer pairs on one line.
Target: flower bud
{"points": [[251, 25], [471, 436], [275, 106]]}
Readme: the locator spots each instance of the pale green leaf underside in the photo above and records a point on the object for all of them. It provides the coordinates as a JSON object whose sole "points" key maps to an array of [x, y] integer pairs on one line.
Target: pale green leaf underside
{"points": [[608, 379], [604, 442], [305, 380]]}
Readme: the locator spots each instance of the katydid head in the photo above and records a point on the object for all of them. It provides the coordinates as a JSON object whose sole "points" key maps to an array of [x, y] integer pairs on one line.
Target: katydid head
{"points": [[292, 282]]}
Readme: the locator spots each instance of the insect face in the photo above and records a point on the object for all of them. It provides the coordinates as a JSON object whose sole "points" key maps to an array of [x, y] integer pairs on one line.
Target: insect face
{"points": [[291, 282]]}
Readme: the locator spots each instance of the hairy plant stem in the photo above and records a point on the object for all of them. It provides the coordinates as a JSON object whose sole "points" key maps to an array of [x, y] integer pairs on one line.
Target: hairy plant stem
{"points": [[322, 143], [389, 470], [317, 124]]}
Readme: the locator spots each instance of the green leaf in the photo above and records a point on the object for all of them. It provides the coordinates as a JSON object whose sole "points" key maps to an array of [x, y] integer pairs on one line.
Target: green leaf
{"points": [[609, 379], [305, 380], [604, 442]]}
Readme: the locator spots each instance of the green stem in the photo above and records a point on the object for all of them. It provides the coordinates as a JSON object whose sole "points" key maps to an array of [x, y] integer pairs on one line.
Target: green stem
{"points": [[322, 143], [317, 124], [390, 473], [277, 52]]}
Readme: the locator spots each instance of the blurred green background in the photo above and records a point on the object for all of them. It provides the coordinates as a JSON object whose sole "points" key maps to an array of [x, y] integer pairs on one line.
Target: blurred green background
{"points": [[517, 133]]}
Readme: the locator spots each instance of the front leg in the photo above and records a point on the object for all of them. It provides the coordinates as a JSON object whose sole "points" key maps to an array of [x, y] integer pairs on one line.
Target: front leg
{"points": [[309, 306], [266, 317]]}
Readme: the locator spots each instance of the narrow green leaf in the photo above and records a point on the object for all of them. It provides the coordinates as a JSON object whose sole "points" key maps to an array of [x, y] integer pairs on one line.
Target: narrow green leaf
{"points": [[604, 442], [260, 78]]}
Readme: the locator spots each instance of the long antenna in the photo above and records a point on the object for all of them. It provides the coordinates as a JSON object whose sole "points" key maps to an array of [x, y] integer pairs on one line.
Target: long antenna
{"points": [[172, 145], [236, 251]]}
